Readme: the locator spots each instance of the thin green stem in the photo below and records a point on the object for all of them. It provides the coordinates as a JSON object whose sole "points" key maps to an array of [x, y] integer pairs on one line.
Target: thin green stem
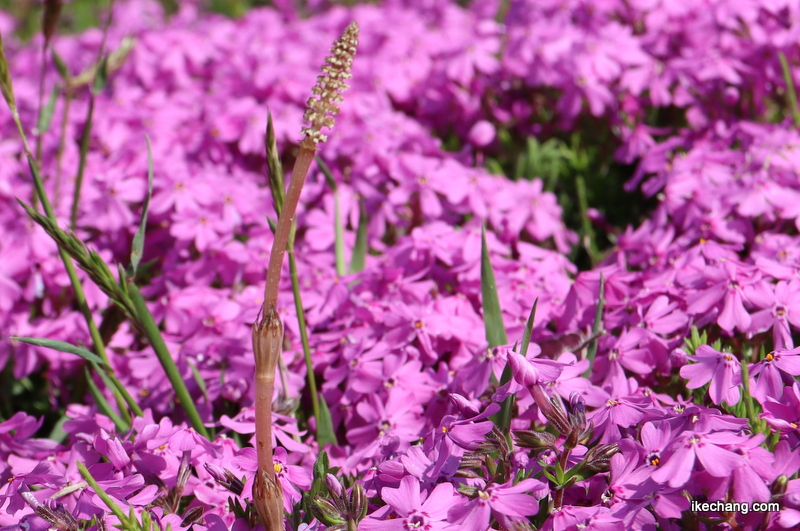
{"points": [[160, 348], [301, 321], [80, 297], [596, 327], [85, 136]]}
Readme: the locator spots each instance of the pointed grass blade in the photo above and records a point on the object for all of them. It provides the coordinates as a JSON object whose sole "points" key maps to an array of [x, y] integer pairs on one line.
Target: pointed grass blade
{"points": [[61, 346], [138, 238]]}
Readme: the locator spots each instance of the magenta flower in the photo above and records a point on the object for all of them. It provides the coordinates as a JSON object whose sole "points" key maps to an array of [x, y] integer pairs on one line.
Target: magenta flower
{"points": [[505, 501], [721, 369], [775, 371], [719, 462], [406, 500]]}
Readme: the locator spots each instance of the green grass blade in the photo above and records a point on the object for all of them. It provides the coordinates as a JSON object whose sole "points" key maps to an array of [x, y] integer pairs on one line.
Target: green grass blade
{"points": [[275, 167], [325, 433], [338, 242], [102, 404], [46, 115], [791, 93], [155, 339], [492, 315], [138, 238], [596, 327], [359, 257], [526, 337], [61, 346]]}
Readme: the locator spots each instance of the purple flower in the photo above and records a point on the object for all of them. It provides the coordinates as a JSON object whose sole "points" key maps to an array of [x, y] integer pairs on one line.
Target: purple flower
{"points": [[678, 465], [721, 369], [406, 500], [506, 502]]}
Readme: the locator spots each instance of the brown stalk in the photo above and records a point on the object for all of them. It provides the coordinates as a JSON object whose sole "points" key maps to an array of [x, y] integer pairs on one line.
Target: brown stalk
{"points": [[268, 328]]}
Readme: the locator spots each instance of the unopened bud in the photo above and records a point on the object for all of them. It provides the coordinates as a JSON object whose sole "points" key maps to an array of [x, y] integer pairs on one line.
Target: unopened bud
{"points": [[333, 485], [778, 487], [534, 439], [59, 517], [268, 500], [52, 10], [326, 512], [598, 459], [225, 478], [192, 516], [358, 502]]}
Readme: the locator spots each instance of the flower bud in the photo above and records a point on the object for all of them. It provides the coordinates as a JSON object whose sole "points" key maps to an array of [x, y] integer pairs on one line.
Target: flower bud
{"points": [[225, 478], [358, 502], [534, 439], [598, 459], [192, 516], [333, 485], [326, 512], [778, 487]]}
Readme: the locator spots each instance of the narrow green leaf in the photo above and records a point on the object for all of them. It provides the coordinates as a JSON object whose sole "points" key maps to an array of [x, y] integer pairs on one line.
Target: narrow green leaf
{"points": [[101, 76], [325, 433], [127, 524], [102, 404], [338, 231], [791, 93], [138, 238], [155, 339], [326, 171], [492, 315], [526, 336], [274, 166], [61, 346], [46, 114], [273, 225], [198, 379], [6, 88], [359, 257], [61, 66], [596, 327]]}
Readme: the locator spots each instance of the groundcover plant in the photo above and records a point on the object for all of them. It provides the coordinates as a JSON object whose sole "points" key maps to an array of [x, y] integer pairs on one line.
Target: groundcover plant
{"points": [[543, 274]]}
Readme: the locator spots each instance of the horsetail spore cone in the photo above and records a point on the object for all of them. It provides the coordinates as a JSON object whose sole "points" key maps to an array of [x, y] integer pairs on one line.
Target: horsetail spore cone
{"points": [[268, 328]]}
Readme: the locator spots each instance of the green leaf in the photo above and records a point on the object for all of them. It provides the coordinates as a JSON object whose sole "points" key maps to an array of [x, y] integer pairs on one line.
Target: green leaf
{"points": [[101, 76], [46, 114], [61, 346], [492, 315], [326, 171], [791, 93], [358, 259], [596, 327], [102, 404], [61, 66], [138, 238], [156, 341], [325, 433], [526, 336], [338, 231], [275, 167]]}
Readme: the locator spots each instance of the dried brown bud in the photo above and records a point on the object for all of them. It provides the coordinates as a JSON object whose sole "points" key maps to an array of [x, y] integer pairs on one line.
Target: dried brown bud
{"points": [[327, 93], [358, 502], [267, 340], [268, 500]]}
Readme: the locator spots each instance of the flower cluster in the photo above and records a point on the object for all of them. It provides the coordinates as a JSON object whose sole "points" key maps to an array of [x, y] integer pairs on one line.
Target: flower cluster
{"points": [[664, 374]]}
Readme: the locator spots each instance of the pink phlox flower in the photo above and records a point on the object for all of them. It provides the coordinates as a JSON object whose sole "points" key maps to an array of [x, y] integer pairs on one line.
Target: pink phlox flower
{"points": [[709, 449], [663, 317], [414, 513], [506, 502], [726, 287], [784, 413], [293, 479], [776, 370], [619, 411], [720, 368], [781, 308]]}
